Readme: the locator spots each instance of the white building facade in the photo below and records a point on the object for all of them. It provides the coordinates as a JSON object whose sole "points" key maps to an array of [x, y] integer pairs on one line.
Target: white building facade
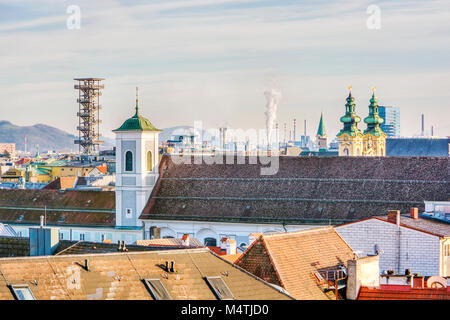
{"points": [[400, 247]]}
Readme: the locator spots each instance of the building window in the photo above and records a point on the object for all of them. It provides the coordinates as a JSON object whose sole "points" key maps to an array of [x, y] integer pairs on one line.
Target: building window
{"points": [[128, 161], [210, 242], [128, 212], [61, 236], [219, 288], [149, 161], [157, 289], [22, 292], [345, 152], [82, 236]]}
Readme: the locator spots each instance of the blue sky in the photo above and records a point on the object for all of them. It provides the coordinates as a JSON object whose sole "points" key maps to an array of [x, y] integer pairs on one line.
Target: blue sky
{"points": [[212, 60]]}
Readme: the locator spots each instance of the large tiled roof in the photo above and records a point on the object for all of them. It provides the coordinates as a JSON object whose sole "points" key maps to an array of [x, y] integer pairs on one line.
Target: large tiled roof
{"points": [[90, 208], [67, 247], [119, 276], [386, 292], [305, 189], [290, 260], [20, 247]]}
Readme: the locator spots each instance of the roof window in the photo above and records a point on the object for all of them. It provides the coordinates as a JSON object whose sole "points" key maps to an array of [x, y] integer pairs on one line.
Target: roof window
{"points": [[157, 289], [22, 292], [219, 288]]}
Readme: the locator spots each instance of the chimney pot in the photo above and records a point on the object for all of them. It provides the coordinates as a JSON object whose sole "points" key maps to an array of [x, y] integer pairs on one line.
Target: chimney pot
{"points": [[185, 240], [415, 213], [394, 216]]}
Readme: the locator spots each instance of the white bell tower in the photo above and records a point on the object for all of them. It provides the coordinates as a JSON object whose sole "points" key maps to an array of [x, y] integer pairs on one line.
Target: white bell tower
{"points": [[137, 159]]}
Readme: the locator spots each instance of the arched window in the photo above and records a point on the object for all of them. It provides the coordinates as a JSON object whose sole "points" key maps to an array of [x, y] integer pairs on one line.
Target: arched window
{"points": [[357, 152], [149, 161], [128, 161], [210, 242], [345, 152]]}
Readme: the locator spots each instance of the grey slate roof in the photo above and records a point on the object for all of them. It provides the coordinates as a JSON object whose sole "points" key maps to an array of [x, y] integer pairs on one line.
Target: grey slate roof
{"points": [[436, 227], [417, 147]]}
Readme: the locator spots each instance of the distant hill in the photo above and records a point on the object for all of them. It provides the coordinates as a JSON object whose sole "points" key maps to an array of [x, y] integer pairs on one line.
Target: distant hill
{"points": [[47, 137]]}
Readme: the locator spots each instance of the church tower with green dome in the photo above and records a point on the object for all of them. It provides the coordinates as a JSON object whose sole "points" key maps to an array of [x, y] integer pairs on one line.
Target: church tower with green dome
{"points": [[374, 140], [350, 138], [137, 158]]}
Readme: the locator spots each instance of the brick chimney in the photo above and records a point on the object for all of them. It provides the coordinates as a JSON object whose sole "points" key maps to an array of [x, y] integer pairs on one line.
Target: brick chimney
{"points": [[394, 216], [185, 240], [231, 246], [415, 213]]}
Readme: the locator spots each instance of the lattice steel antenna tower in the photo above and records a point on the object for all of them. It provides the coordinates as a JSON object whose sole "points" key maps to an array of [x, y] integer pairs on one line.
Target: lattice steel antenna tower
{"points": [[89, 115]]}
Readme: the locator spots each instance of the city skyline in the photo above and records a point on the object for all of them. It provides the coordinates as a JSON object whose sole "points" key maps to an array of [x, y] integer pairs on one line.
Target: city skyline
{"points": [[199, 59]]}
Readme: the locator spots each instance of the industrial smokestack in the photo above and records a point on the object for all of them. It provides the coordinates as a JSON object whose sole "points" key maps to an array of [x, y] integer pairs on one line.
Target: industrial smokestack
{"points": [[272, 97], [295, 129], [305, 129], [423, 125]]}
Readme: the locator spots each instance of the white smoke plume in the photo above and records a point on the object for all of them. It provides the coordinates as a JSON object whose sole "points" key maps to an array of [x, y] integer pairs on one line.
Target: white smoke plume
{"points": [[273, 97]]}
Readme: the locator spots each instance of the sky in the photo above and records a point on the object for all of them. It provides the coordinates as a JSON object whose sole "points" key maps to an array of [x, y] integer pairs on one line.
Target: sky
{"points": [[212, 61]]}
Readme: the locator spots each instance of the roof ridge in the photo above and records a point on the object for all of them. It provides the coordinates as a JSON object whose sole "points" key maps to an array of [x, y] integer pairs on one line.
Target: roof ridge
{"points": [[314, 229]]}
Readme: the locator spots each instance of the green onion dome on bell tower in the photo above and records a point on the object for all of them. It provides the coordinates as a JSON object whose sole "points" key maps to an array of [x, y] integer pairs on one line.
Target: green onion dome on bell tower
{"points": [[137, 122], [373, 120], [350, 119]]}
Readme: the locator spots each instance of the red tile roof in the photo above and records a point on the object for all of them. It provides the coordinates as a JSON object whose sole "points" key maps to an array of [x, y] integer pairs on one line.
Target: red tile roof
{"points": [[102, 169], [398, 292], [290, 260]]}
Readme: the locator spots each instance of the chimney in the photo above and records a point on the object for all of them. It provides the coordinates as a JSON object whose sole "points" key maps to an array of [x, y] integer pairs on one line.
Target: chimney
{"points": [[415, 213], [231, 246], [43, 240], [253, 237], [363, 272], [223, 243], [185, 240], [418, 282], [394, 216]]}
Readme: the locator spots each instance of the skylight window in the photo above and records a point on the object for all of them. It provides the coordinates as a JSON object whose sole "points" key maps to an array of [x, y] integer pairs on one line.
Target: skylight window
{"points": [[157, 289], [22, 292], [219, 288]]}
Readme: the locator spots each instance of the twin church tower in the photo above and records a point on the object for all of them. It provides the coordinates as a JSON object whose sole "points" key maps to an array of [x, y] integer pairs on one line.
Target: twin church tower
{"points": [[352, 142]]}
